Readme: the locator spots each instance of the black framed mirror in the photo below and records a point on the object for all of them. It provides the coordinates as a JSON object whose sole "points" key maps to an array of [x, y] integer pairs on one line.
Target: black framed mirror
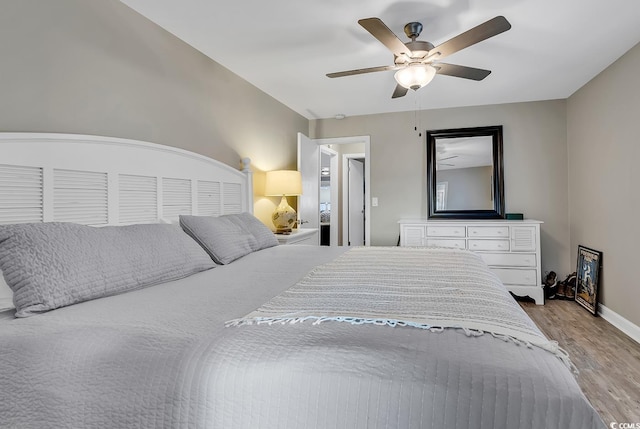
{"points": [[465, 176]]}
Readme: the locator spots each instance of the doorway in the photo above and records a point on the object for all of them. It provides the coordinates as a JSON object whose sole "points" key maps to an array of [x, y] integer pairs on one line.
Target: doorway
{"points": [[310, 165]]}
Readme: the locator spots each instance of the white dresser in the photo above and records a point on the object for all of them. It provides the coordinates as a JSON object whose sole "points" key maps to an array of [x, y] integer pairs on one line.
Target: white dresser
{"points": [[511, 248]]}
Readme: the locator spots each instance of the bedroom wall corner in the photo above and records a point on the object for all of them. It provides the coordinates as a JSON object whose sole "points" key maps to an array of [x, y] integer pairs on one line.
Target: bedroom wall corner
{"points": [[100, 68], [602, 140]]}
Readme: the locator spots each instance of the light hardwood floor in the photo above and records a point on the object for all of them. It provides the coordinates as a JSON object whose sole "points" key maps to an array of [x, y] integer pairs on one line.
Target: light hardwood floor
{"points": [[608, 360]]}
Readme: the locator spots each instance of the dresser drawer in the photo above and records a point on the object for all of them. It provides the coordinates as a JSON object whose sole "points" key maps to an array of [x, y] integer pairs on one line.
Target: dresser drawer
{"points": [[509, 259], [480, 245], [413, 235], [488, 231], [446, 231], [443, 242], [516, 277]]}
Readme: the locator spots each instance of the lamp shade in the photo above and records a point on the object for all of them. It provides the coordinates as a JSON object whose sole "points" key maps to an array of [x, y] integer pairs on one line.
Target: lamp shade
{"points": [[283, 182], [415, 76]]}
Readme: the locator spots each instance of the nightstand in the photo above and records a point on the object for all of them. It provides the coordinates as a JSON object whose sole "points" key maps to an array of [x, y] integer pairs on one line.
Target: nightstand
{"points": [[300, 236]]}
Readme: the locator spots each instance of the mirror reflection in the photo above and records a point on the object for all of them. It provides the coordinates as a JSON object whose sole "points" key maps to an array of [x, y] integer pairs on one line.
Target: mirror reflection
{"points": [[464, 173], [464, 170]]}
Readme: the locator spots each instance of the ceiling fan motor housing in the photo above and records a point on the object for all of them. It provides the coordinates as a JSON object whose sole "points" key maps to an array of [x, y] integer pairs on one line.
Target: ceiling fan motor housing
{"points": [[413, 30], [419, 49]]}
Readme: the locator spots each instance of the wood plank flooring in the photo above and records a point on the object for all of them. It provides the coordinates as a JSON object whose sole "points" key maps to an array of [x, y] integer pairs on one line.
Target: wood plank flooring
{"points": [[608, 360]]}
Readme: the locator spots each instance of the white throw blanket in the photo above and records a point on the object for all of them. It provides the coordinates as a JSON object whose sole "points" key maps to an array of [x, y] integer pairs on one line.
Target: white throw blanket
{"points": [[424, 288]]}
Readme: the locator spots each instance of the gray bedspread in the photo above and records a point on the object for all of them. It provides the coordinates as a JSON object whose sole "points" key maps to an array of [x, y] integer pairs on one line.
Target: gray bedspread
{"points": [[161, 358]]}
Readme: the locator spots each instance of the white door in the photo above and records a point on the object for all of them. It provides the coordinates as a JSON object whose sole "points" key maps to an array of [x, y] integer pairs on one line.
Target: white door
{"points": [[356, 203], [309, 168]]}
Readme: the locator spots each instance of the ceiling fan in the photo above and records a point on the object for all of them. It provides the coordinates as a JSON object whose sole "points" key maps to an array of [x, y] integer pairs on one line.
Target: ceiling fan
{"points": [[439, 160], [417, 61]]}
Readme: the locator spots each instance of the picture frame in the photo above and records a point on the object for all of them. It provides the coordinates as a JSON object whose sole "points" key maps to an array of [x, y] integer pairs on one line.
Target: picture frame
{"points": [[588, 269]]}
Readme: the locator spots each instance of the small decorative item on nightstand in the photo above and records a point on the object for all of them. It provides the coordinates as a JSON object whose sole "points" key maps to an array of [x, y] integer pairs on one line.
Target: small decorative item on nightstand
{"points": [[283, 183]]}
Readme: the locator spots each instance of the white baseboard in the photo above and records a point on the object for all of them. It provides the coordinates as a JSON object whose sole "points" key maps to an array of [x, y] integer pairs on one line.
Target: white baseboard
{"points": [[620, 322]]}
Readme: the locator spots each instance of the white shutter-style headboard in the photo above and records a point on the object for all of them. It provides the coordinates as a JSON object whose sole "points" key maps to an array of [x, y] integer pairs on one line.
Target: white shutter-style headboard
{"points": [[111, 181]]}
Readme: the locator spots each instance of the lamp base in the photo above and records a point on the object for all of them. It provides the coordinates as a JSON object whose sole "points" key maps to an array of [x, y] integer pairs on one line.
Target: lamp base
{"points": [[284, 231], [284, 217]]}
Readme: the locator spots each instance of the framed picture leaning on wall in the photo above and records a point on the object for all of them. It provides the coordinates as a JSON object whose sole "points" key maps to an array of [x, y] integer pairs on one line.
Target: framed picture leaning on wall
{"points": [[588, 278]]}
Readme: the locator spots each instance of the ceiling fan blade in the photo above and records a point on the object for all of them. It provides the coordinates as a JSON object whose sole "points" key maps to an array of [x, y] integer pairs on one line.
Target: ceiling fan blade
{"points": [[380, 31], [449, 157], [362, 71], [400, 91], [491, 28], [448, 165], [461, 71]]}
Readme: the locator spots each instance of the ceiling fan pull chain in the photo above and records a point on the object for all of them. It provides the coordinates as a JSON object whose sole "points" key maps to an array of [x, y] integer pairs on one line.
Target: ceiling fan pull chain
{"points": [[416, 109]]}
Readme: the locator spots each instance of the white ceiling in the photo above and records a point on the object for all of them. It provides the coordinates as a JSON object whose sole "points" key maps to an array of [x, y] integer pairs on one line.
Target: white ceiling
{"points": [[285, 47]]}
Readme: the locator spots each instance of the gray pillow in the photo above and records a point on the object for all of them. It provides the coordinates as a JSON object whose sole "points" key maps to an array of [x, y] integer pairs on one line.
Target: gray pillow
{"points": [[229, 237], [51, 265], [6, 295], [263, 235]]}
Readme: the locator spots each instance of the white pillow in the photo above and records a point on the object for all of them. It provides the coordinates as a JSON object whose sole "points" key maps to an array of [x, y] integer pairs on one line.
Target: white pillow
{"points": [[6, 295]]}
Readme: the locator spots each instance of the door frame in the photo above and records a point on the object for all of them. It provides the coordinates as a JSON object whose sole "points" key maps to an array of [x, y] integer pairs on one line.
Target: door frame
{"points": [[345, 196], [367, 174], [367, 178]]}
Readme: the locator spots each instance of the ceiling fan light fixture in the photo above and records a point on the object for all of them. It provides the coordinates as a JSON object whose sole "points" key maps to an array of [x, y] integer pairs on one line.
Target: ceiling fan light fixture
{"points": [[415, 76]]}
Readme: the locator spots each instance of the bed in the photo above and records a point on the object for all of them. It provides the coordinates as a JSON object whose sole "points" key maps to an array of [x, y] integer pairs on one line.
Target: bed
{"points": [[227, 345]]}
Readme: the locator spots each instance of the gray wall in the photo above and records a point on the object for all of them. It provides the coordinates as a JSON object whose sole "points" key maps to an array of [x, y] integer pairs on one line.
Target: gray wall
{"points": [[98, 67], [604, 177], [535, 165]]}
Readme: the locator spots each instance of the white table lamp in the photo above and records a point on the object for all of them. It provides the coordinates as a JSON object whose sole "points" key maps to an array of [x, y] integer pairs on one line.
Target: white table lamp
{"points": [[283, 183]]}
